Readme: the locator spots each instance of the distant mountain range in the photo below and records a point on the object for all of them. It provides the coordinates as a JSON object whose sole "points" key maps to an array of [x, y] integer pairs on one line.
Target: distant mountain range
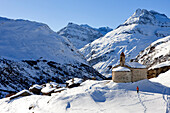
{"points": [[80, 35]]}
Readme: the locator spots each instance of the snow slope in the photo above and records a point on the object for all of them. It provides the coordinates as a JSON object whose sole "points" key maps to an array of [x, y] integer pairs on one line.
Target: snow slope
{"points": [[156, 53], [22, 40], [30, 52], [163, 78], [98, 97], [131, 37], [80, 35]]}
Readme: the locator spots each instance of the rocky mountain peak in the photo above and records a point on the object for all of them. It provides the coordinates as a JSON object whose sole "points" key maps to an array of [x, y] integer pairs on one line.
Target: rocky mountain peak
{"points": [[143, 16], [131, 37], [80, 35]]}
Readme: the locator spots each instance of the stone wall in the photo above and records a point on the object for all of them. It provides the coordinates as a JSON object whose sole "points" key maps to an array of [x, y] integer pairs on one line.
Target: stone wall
{"points": [[123, 76], [138, 74], [155, 72]]}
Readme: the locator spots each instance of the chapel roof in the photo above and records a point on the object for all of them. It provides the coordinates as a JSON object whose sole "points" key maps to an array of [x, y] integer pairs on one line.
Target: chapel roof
{"points": [[120, 68], [132, 65], [135, 65], [122, 54]]}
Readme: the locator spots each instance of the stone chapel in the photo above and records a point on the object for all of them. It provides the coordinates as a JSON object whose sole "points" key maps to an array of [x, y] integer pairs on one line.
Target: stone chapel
{"points": [[128, 72]]}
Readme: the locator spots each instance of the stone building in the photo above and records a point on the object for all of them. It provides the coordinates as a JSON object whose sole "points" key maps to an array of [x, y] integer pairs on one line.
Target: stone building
{"points": [[128, 72]]}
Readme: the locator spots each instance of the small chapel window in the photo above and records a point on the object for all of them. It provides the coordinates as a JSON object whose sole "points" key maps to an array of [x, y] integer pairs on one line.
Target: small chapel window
{"points": [[120, 58]]}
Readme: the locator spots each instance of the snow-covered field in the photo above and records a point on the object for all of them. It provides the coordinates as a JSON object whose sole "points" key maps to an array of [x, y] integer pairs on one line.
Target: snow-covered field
{"points": [[99, 97]]}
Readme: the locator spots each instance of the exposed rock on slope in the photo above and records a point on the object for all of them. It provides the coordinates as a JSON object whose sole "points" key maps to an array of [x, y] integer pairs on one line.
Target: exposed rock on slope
{"points": [[156, 57], [131, 37], [156, 53], [80, 35]]}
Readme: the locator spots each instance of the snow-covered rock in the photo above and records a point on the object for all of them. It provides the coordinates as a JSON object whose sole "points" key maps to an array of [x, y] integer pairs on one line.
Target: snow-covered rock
{"points": [[156, 53], [80, 35], [131, 37], [163, 64]]}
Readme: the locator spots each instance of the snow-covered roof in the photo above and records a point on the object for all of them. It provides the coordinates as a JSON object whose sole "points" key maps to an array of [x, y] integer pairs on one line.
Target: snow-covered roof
{"points": [[61, 85], [121, 69], [76, 81], [47, 89], [132, 65], [135, 65], [60, 89], [163, 64], [54, 84], [23, 91], [35, 86]]}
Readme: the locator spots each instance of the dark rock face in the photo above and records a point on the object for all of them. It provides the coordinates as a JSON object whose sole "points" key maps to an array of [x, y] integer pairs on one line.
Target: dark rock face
{"points": [[16, 76], [155, 72]]}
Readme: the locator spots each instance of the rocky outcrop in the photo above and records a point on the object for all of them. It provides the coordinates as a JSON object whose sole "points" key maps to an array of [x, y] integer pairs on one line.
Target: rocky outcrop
{"points": [[156, 53]]}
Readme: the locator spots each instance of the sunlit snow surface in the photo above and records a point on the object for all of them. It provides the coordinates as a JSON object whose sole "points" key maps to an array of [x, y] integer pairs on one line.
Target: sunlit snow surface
{"points": [[99, 97], [25, 40]]}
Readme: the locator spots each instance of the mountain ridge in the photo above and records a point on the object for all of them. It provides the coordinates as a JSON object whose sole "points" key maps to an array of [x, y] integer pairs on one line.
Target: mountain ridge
{"points": [[82, 34]]}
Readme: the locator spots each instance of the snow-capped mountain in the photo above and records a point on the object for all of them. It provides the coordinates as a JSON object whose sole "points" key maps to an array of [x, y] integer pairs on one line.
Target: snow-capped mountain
{"points": [[156, 53], [131, 37], [80, 35], [31, 52]]}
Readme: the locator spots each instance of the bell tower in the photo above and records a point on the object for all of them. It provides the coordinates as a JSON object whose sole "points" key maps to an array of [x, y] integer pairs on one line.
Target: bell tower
{"points": [[122, 59]]}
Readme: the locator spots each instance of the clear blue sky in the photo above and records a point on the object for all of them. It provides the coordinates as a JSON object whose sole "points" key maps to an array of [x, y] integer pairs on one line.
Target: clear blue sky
{"points": [[96, 13]]}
